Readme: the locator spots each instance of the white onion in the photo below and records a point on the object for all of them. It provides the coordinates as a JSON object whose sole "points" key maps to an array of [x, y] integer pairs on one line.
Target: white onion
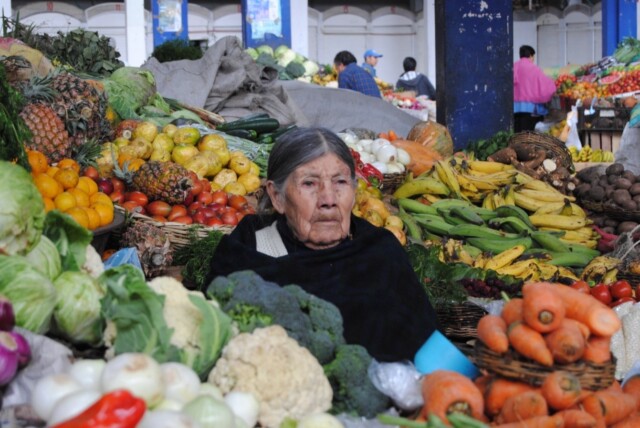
{"points": [[167, 419], [169, 404], [244, 405], [207, 388], [347, 137], [367, 157], [395, 168], [49, 390], [380, 166], [87, 372], [403, 157], [366, 145], [386, 153], [181, 383], [71, 405], [377, 143], [138, 373]]}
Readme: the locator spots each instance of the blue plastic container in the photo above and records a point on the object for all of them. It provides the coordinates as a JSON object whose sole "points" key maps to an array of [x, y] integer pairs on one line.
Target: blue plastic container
{"points": [[438, 353]]}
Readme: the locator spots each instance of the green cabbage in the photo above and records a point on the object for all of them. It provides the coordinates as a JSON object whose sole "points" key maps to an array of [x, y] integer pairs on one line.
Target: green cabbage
{"points": [[310, 67], [128, 89], [280, 50], [77, 314], [31, 293], [21, 210], [265, 49], [252, 53], [286, 57], [294, 69], [46, 258]]}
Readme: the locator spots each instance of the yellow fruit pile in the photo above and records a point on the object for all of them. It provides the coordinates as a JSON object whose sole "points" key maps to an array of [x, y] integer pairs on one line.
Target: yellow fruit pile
{"points": [[62, 188]]}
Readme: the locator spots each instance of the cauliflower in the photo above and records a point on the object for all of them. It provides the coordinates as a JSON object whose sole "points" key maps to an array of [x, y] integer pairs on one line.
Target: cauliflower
{"points": [[93, 262], [285, 377]]}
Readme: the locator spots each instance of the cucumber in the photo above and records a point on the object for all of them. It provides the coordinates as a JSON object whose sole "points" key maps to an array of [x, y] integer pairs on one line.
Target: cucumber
{"points": [[260, 125], [247, 134]]}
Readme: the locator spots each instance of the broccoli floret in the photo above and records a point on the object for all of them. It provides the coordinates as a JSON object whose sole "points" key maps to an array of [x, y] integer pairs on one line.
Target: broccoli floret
{"points": [[353, 391], [253, 302]]}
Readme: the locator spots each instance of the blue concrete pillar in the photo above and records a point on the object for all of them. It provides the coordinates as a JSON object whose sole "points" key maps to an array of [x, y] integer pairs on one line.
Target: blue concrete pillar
{"points": [[619, 20], [474, 60], [170, 20]]}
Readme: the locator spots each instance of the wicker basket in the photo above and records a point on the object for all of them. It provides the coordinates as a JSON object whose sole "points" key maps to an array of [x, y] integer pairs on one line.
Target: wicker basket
{"points": [[179, 234], [390, 182], [513, 366], [459, 321], [612, 211], [547, 142]]}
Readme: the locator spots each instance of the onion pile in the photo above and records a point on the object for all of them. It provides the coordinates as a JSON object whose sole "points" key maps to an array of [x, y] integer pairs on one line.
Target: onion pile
{"points": [[15, 352]]}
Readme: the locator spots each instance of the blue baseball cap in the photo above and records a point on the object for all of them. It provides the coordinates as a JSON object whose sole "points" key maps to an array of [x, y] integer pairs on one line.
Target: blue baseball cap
{"points": [[371, 52]]}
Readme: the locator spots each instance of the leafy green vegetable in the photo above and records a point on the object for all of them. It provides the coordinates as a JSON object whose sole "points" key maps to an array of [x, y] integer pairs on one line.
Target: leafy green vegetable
{"points": [[128, 89], [70, 238], [31, 293], [196, 258], [482, 149], [77, 313], [46, 258], [176, 49], [13, 131], [22, 213], [133, 313]]}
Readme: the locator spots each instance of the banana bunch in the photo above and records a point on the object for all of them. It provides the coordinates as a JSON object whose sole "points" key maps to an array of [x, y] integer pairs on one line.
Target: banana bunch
{"points": [[601, 269], [589, 155]]}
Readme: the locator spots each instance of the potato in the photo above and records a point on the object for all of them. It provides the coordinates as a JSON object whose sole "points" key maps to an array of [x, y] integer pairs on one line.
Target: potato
{"points": [[597, 193], [629, 175], [634, 189], [615, 169], [620, 196], [626, 226], [612, 178], [622, 183]]}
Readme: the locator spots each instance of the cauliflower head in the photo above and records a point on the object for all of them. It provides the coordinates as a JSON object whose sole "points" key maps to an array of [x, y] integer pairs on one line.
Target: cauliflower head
{"points": [[285, 377]]}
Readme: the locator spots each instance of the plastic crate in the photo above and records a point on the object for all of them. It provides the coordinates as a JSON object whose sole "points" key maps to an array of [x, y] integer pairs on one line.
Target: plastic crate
{"points": [[603, 118]]}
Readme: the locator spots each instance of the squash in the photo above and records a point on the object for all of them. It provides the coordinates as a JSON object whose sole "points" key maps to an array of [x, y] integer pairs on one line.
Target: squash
{"points": [[422, 157], [434, 136]]}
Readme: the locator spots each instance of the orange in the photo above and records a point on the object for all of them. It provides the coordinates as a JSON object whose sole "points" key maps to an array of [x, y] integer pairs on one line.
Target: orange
{"points": [[88, 185], [94, 218], [47, 186], [135, 164], [101, 198], [48, 204], [80, 216], [105, 212], [65, 201], [82, 197], [69, 163], [67, 177], [37, 161], [52, 170]]}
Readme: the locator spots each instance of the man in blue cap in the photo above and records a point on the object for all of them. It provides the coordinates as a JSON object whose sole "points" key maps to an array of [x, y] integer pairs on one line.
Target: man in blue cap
{"points": [[351, 76], [370, 61]]}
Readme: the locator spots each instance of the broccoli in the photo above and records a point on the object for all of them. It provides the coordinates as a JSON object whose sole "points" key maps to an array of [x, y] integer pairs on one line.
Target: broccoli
{"points": [[353, 391], [253, 302]]}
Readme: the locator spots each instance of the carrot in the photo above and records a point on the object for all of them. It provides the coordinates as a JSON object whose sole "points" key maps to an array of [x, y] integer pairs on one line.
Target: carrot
{"points": [[384, 135], [523, 406], [614, 387], [561, 390], [566, 343], [492, 331], [542, 308], [512, 310], [498, 390], [597, 350], [393, 136], [554, 421], [632, 387], [529, 343], [613, 407], [600, 318], [577, 419], [632, 421], [445, 392], [483, 382], [586, 333]]}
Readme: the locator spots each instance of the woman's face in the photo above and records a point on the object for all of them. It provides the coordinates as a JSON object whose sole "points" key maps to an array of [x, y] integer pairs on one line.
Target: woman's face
{"points": [[317, 201]]}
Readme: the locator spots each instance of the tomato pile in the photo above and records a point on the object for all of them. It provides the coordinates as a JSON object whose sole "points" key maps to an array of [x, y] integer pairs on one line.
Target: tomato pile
{"points": [[629, 82], [611, 295]]}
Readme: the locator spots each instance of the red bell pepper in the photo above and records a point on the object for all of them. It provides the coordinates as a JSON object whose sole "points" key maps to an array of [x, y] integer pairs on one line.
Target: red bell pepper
{"points": [[116, 409]]}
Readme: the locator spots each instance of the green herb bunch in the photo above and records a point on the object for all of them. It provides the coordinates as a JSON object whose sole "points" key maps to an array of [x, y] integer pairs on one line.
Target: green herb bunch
{"points": [[13, 131]]}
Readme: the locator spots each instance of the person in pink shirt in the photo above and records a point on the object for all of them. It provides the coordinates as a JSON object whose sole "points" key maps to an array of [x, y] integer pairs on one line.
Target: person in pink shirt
{"points": [[532, 89]]}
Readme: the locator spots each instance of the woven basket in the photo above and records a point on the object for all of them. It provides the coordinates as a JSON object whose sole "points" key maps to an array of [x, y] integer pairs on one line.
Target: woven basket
{"points": [[390, 182], [513, 366], [179, 234], [459, 321], [546, 142], [612, 211]]}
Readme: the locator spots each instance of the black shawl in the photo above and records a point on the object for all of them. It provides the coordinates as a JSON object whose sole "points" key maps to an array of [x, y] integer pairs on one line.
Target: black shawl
{"points": [[368, 277]]}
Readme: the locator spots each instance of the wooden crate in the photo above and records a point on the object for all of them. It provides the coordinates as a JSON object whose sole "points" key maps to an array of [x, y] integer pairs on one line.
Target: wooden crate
{"points": [[605, 140]]}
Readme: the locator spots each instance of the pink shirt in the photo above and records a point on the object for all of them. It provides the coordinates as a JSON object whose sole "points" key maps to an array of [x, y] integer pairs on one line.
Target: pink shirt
{"points": [[530, 84]]}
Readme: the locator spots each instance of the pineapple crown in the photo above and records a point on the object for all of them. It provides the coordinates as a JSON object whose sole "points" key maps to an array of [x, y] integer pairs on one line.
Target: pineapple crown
{"points": [[39, 89], [123, 172], [86, 154]]}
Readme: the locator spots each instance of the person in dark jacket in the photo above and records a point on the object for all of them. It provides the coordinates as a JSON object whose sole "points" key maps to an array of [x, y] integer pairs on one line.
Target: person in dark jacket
{"points": [[352, 76], [305, 234], [411, 80]]}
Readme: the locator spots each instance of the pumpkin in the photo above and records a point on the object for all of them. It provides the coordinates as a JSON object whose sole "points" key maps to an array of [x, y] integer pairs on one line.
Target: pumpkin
{"points": [[422, 157], [432, 135]]}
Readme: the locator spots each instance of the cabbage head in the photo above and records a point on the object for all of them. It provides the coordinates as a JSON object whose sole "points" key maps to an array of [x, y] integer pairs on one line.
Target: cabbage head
{"points": [[46, 258], [310, 67], [280, 50], [77, 314], [21, 210], [129, 89], [252, 53], [265, 49], [286, 57], [31, 293]]}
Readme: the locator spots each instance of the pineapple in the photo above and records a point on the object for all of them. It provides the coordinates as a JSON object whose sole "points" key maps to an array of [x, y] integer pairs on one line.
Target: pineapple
{"points": [[164, 181], [87, 154], [42, 117], [152, 245]]}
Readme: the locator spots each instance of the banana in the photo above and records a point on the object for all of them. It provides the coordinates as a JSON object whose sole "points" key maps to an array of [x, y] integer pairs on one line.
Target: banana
{"points": [[471, 250], [522, 178], [543, 186], [548, 272], [475, 197], [498, 245], [511, 223], [549, 242], [465, 183], [431, 198], [410, 224], [546, 196], [598, 267], [566, 208], [528, 203], [509, 195], [557, 208], [480, 261], [467, 214], [416, 207], [474, 231], [498, 199], [421, 186], [610, 277], [447, 204], [587, 243], [568, 259], [514, 211], [487, 202], [488, 167], [578, 235], [519, 269], [566, 275], [450, 218], [591, 253], [484, 213], [480, 184], [446, 174], [559, 221], [433, 224], [505, 257]]}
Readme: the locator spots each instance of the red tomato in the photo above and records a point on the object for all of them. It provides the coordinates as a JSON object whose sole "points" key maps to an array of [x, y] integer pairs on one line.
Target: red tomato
{"points": [[229, 218], [132, 206], [238, 202], [199, 218], [159, 208], [227, 209], [220, 197], [177, 211], [621, 288], [138, 197], [194, 207], [91, 172], [117, 184], [105, 185], [214, 222], [185, 219], [240, 215], [206, 185], [196, 189], [621, 301], [602, 293], [189, 199], [209, 212], [581, 286], [205, 198], [159, 219], [117, 197]]}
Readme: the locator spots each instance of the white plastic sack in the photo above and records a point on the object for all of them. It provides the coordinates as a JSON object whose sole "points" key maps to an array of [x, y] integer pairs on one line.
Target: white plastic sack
{"points": [[400, 381], [573, 139]]}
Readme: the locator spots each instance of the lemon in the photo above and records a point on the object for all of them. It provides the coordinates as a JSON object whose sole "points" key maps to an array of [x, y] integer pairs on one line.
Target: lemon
{"points": [[163, 141], [251, 182], [224, 177], [160, 155], [212, 142], [181, 153], [187, 135], [169, 129], [254, 168], [239, 164], [235, 188], [146, 130]]}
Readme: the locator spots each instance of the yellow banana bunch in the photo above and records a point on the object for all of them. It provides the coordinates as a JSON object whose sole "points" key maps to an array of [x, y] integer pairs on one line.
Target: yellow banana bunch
{"points": [[597, 155], [478, 167], [504, 258], [447, 175], [599, 268], [575, 153], [537, 195], [566, 222], [607, 156]]}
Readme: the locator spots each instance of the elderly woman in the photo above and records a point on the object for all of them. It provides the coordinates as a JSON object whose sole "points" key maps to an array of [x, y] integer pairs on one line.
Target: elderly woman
{"points": [[305, 234]]}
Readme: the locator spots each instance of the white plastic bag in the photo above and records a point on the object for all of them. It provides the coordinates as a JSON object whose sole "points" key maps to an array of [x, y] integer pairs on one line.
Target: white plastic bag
{"points": [[573, 139], [400, 381]]}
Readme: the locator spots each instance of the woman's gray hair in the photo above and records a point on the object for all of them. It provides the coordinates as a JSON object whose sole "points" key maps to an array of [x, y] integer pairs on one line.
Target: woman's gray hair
{"points": [[298, 147]]}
